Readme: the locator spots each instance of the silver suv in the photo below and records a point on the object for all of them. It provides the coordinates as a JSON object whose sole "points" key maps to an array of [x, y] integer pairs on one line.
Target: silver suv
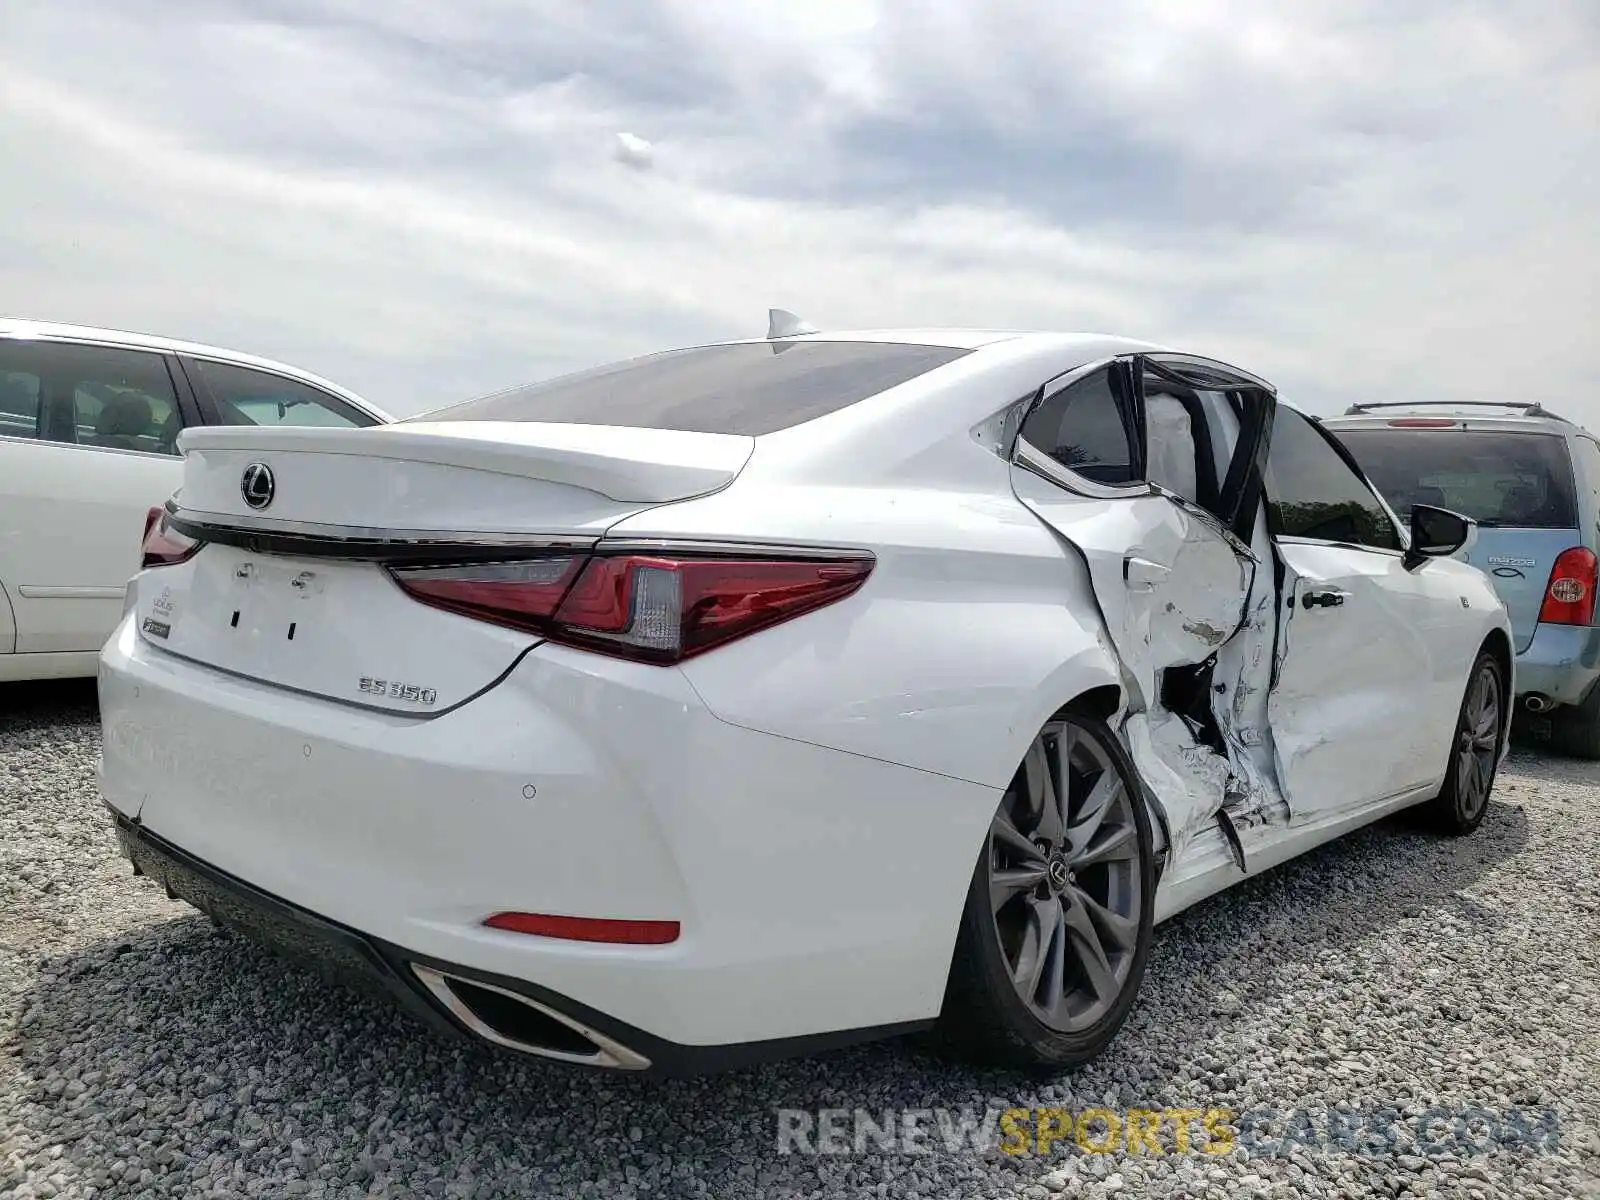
{"points": [[1531, 479]]}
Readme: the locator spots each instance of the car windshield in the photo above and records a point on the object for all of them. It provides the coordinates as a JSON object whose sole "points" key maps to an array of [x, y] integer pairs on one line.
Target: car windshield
{"points": [[747, 388], [1496, 477]]}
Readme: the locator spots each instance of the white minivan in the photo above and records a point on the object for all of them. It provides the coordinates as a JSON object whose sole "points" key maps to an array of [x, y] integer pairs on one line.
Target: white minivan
{"points": [[89, 420]]}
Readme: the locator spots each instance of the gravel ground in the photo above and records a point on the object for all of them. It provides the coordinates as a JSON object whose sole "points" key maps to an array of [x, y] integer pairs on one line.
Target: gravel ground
{"points": [[142, 1053]]}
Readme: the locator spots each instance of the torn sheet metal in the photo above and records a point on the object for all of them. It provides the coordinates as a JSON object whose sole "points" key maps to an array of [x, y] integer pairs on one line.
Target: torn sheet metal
{"points": [[1189, 781], [1241, 687], [1177, 590], [1171, 582]]}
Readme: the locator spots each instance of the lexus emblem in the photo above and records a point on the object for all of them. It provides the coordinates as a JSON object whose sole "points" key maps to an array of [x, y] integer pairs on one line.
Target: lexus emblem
{"points": [[257, 487]]}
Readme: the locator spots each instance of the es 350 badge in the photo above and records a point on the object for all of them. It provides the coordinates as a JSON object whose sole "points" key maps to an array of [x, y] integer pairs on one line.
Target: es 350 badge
{"points": [[390, 689]]}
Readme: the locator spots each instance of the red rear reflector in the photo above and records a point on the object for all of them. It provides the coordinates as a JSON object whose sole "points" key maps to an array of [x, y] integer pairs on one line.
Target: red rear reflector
{"points": [[163, 545], [587, 929], [1423, 423], [1569, 597], [648, 607]]}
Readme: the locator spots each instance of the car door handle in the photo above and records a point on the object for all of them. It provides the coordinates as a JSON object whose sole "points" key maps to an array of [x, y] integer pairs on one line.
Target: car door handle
{"points": [[1324, 598], [1141, 575]]}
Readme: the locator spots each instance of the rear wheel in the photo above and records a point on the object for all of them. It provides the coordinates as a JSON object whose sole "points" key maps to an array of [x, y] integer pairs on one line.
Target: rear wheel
{"points": [[1575, 729], [1056, 927], [1474, 751]]}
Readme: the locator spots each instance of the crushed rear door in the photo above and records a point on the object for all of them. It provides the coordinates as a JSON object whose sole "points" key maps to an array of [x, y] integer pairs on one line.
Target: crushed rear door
{"points": [[1177, 583]]}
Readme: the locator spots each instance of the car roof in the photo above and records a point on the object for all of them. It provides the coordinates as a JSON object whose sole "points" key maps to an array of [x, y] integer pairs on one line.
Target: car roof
{"points": [[54, 331], [957, 338]]}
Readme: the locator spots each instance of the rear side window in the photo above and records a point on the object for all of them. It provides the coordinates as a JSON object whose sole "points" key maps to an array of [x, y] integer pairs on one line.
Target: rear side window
{"points": [[1589, 455], [751, 388], [1496, 477], [1083, 428], [243, 396], [19, 404]]}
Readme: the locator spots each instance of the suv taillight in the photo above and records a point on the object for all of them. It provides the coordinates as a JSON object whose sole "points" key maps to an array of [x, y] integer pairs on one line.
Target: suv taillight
{"points": [[163, 545], [657, 608], [1569, 596]]}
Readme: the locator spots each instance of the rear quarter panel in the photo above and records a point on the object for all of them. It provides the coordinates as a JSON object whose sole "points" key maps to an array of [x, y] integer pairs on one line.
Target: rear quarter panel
{"points": [[974, 627]]}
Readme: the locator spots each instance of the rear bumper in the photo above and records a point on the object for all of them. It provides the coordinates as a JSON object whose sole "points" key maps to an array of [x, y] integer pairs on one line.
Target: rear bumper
{"points": [[1561, 662], [351, 958], [818, 892]]}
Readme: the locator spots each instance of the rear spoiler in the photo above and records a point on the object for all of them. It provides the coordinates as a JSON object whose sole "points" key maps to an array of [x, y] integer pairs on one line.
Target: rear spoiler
{"points": [[1525, 408]]}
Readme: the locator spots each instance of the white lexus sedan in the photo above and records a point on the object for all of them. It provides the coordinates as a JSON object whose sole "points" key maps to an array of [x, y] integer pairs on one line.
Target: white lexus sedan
{"points": [[740, 700], [88, 425]]}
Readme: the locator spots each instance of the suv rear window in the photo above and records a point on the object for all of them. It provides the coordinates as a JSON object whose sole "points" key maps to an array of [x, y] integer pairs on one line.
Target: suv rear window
{"points": [[1497, 477], [750, 388]]}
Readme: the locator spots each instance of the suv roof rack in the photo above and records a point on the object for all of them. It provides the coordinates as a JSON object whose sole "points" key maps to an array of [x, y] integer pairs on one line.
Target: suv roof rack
{"points": [[1529, 408]]}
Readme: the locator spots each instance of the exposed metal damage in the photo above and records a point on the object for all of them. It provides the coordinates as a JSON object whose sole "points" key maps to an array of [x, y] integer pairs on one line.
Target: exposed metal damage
{"points": [[1192, 619], [1187, 584], [1201, 740]]}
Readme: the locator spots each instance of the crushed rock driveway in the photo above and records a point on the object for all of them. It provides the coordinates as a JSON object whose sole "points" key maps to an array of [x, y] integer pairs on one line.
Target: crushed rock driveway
{"points": [[144, 1053]]}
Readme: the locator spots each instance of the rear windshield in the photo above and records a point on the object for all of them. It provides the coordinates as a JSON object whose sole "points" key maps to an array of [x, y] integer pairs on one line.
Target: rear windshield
{"points": [[750, 388], [1495, 477]]}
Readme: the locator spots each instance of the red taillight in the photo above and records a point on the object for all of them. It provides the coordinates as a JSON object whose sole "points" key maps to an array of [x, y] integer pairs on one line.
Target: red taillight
{"points": [[660, 608], [163, 545], [587, 929], [1423, 423], [1569, 597], [523, 595]]}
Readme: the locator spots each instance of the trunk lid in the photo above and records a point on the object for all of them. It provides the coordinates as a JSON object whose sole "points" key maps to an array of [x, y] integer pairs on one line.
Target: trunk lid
{"points": [[294, 592], [456, 477]]}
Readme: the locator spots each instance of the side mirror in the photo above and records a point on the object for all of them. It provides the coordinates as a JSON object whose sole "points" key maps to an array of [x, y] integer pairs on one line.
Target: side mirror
{"points": [[1437, 533]]}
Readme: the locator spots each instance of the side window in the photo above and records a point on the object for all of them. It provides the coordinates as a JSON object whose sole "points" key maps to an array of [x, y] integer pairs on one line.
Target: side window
{"points": [[1588, 455], [1312, 492], [1083, 427], [1588, 495], [19, 403], [243, 396], [88, 396], [109, 415]]}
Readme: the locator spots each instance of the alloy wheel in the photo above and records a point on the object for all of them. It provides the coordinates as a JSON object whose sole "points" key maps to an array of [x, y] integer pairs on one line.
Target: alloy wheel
{"points": [[1478, 741], [1065, 885]]}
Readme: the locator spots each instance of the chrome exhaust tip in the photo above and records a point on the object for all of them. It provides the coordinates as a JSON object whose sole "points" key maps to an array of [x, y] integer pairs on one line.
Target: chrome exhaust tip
{"points": [[516, 1022], [1535, 702]]}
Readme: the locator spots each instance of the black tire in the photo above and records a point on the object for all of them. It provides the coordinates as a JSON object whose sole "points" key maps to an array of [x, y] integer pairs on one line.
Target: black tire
{"points": [[1474, 751], [1575, 728], [1108, 895]]}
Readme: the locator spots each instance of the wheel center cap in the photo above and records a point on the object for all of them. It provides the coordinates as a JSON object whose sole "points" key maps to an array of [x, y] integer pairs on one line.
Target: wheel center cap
{"points": [[1057, 873]]}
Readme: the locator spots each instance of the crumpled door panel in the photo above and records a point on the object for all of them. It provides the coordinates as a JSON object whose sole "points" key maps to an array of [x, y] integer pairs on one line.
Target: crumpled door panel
{"points": [[1170, 581], [1176, 590]]}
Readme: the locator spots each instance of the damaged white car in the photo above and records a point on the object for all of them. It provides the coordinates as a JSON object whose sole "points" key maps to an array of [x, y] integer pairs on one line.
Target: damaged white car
{"points": [[739, 700]]}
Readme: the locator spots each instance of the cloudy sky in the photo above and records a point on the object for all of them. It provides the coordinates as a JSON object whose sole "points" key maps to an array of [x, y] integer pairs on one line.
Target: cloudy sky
{"points": [[426, 201]]}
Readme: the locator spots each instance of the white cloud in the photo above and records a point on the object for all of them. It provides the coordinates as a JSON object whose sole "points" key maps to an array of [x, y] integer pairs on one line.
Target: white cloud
{"points": [[423, 202], [634, 151]]}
